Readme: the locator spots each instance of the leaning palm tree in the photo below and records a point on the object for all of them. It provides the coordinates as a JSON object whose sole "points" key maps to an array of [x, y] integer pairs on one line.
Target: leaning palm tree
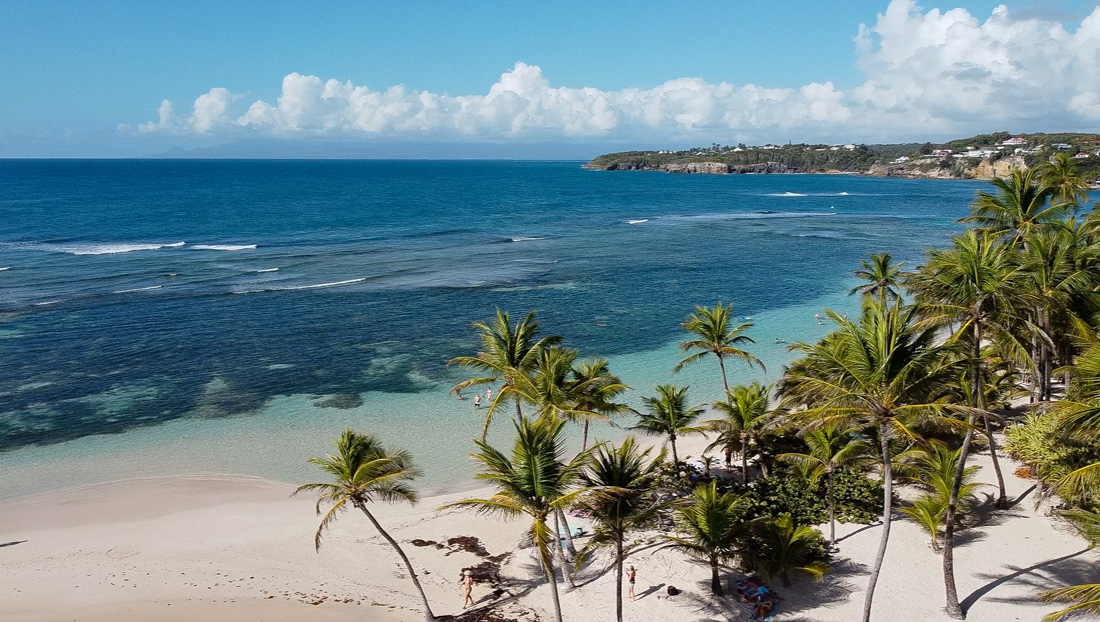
{"points": [[536, 480], [1019, 207], [624, 477], [508, 353], [828, 451], [364, 471], [881, 372], [715, 335], [746, 416], [595, 391], [711, 525], [1061, 174], [668, 414], [881, 277]]}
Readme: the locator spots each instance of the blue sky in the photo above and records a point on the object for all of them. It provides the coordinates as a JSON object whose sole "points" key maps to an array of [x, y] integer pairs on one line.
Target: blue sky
{"points": [[90, 79]]}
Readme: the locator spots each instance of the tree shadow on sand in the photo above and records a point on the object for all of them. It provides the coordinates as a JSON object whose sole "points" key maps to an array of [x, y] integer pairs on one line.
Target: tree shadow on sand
{"points": [[833, 589], [1045, 575], [591, 571]]}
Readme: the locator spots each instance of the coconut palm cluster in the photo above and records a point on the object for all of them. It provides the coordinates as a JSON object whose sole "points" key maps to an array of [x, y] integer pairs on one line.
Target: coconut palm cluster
{"points": [[901, 394]]}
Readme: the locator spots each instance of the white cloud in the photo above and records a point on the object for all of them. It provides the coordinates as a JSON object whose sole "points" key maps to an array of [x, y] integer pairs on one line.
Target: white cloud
{"points": [[926, 72]]}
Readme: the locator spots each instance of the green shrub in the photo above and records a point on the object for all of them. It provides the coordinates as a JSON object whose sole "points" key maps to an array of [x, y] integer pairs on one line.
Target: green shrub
{"points": [[858, 498]]}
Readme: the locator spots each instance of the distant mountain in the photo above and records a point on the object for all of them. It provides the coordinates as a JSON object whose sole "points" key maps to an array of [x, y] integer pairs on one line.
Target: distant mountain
{"points": [[977, 157]]}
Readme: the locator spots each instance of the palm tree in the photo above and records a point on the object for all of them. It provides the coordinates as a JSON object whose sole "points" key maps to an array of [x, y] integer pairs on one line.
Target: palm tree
{"points": [[534, 481], [711, 525], [883, 373], [936, 470], [745, 417], [624, 476], [714, 335], [548, 384], [975, 286], [668, 415], [508, 352], [785, 548], [880, 276], [595, 390], [1019, 207], [829, 450], [928, 512], [1061, 274], [1061, 174], [364, 471]]}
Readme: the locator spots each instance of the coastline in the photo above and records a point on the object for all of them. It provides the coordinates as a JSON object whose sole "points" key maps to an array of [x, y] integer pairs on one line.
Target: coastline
{"points": [[240, 548]]}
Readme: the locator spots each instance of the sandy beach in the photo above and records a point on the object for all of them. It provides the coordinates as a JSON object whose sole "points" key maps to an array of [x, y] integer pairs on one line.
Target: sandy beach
{"points": [[238, 548]]}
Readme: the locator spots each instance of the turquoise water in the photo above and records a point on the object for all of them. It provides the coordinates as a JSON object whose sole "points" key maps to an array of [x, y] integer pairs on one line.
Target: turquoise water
{"points": [[168, 316]]}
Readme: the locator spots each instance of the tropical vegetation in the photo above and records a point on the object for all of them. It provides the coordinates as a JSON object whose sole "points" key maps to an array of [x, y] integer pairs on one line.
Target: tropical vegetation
{"points": [[902, 394]]}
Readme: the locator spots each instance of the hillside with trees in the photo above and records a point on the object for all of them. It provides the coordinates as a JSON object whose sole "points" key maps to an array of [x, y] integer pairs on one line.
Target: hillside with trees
{"points": [[978, 157]]}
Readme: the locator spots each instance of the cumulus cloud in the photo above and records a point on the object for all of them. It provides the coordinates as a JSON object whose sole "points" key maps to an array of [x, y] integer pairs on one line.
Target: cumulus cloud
{"points": [[926, 72]]}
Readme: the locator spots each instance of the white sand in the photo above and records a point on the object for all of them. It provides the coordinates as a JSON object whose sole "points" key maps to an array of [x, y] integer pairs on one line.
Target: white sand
{"points": [[235, 548]]}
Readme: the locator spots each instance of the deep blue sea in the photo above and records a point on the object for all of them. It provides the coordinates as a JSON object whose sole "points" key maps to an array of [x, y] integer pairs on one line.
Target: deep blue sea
{"points": [[159, 306]]}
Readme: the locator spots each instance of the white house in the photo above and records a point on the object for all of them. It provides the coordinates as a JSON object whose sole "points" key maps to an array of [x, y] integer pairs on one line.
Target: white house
{"points": [[1081, 156], [1062, 146], [900, 160], [1017, 141]]}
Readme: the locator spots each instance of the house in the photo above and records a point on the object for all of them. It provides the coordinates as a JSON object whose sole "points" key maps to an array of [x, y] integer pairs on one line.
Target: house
{"points": [[1062, 146], [942, 152], [850, 147], [1081, 156], [1017, 141], [770, 146], [900, 160]]}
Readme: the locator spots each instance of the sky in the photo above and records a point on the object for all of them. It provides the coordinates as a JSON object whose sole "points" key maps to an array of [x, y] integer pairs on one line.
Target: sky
{"points": [[532, 79]]}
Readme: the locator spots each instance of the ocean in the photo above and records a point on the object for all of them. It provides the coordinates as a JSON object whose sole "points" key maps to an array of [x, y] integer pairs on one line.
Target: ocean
{"points": [[162, 316]]}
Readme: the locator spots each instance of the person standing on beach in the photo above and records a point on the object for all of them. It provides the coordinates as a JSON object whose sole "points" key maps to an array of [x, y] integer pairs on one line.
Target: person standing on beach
{"points": [[477, 400], [631, 574], [467, 589], [489, 394]]}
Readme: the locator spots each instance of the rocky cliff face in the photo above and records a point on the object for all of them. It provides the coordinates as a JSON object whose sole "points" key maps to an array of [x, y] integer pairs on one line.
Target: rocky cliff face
{"points": [[701, 168], [920, 169]]}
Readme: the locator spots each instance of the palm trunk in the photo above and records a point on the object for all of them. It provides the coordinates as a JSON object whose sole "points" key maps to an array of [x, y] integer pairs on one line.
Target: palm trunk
{"points": [[548, 568], [519, 412], [1047, 355], [584, 441], [559, 552], [1002, 497], [887, 510], [832, 510], [428, 615], [675, 456], [758, 444], [1034, 375], [744, 460], [715, 578], [572, 548], [619, 578], [722, 366], [977, 397]]}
